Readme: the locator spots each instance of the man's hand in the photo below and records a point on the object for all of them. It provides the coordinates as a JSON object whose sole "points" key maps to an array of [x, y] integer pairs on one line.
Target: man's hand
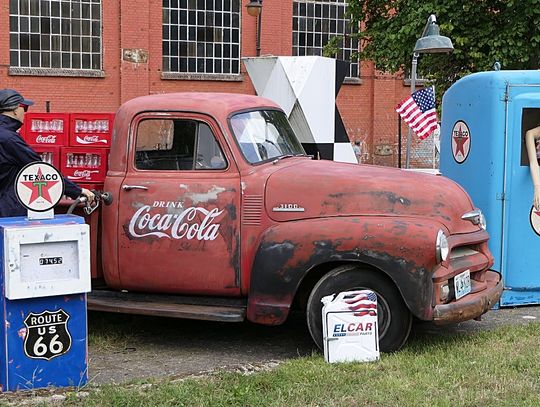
{"points": [[89, 195]]}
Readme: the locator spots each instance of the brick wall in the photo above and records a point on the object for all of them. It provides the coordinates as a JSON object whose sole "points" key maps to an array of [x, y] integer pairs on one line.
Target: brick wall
{"points": [[367, 108]]}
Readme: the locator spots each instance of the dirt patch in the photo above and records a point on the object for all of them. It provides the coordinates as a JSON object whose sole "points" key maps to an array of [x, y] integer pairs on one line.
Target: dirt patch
{"points": [[158, 347]]}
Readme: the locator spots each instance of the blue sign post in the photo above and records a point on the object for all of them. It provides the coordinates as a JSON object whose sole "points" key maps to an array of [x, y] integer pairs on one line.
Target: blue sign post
{"points": [[484, 120]]}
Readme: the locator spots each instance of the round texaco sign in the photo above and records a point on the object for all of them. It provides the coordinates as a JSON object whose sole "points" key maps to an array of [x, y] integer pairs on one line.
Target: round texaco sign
{"points": [[39, 186], [461, 141], [535, 220]]}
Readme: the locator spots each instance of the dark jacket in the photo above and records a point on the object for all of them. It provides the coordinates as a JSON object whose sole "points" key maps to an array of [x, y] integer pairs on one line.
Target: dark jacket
{"points": [[14, 155]]}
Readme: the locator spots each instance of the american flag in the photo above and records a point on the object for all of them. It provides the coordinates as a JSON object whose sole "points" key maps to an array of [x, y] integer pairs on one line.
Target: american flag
{"points": [[418, 110], [363, 303]]}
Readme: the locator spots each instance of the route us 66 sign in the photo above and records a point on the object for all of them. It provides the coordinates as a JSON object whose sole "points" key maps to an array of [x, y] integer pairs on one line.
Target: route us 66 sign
{"points": [[47, 335]]}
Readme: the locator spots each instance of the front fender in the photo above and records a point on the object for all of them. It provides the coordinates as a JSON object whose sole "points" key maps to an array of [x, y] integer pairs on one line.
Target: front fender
{"points": [[402, 248]]}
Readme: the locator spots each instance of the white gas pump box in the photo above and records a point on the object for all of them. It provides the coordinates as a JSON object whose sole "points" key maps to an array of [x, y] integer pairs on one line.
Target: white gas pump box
{"points": [[350, 331], [44, 261]]}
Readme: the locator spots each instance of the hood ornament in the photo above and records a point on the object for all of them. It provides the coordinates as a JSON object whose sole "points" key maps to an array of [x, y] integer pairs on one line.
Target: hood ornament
{"points": [[476, 217]]}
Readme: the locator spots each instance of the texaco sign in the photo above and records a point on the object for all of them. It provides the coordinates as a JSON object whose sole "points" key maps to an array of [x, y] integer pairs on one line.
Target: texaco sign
{"points": [[39, 186], [461, 141]]}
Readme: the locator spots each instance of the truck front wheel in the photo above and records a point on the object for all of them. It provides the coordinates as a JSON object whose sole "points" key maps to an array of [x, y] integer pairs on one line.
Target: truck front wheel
{"points": [[394, 319]]}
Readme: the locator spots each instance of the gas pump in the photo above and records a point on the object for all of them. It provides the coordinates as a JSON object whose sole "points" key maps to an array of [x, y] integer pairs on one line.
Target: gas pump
{"points": [[44, 276]]}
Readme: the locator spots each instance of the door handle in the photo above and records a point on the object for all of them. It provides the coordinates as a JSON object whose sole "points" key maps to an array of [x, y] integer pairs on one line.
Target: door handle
{"points": [[130, 187]]}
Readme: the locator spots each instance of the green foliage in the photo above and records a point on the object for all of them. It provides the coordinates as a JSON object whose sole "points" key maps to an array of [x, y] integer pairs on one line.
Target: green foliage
{"points": [[332, 47], [482, 31]]}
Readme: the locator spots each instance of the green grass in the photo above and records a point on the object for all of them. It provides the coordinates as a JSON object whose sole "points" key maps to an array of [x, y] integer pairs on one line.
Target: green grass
{"points": [[494, 368]]}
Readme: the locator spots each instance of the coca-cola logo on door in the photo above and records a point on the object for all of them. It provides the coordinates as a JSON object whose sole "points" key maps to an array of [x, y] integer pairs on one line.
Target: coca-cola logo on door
{"points": [[189, 223]]}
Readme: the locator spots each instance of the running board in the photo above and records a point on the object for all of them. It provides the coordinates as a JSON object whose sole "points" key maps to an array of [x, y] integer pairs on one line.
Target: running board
{"points": [[173, 306]]}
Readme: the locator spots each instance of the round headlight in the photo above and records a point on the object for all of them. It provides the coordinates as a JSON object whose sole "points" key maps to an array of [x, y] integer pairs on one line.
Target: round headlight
{"points": [[441, 246]]}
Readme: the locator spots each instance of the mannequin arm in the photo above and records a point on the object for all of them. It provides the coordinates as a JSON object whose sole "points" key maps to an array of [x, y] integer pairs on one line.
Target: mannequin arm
{"points": [[530, 137]]}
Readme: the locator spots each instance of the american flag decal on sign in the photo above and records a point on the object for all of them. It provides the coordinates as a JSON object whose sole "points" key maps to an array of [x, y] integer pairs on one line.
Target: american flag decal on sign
{"points": [[363, 303], [419, 112]]}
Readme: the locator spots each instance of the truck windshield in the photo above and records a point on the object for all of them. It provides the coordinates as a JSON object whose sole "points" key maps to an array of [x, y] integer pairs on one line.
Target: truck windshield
{"points": [[264, 135]]}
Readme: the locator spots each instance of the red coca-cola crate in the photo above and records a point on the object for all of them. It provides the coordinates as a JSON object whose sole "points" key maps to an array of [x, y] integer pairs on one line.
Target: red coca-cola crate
{"points": [[48, 154], [91, 129], [46, 128], [84, 165]]}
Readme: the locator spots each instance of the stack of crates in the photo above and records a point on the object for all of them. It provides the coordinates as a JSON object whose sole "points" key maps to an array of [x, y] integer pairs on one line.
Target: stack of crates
{"points": [[77, 144]]}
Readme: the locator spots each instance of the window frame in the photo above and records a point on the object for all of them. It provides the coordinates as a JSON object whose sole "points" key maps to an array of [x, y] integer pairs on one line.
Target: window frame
{"points": [[180, 20], [308, 26], [70, 45]]}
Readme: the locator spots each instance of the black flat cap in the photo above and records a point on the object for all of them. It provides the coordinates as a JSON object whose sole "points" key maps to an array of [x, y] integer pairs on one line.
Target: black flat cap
{"points": [[10, 99]]}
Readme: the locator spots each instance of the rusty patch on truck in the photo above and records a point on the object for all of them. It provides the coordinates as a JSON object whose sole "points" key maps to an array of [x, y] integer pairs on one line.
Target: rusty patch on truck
{"points": [[279, 272], [390, 196], [398, 248]]}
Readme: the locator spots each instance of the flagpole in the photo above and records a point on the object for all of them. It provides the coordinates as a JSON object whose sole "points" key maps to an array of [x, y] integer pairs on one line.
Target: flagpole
{"points": [[413, 89]]}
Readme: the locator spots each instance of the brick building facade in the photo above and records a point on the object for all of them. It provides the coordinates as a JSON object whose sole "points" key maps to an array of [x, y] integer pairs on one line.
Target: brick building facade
{"points": [[133, 53]]}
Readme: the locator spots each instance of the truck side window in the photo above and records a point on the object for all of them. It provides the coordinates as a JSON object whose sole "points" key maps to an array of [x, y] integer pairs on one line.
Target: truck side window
{"points": [[177, 144]]}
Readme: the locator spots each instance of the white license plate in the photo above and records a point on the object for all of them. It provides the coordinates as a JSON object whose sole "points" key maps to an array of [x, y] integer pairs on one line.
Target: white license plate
{"points": [[462, 284]]}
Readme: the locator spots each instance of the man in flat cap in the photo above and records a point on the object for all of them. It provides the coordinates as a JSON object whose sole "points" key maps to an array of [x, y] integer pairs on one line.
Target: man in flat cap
{"points": [[15, 154]]}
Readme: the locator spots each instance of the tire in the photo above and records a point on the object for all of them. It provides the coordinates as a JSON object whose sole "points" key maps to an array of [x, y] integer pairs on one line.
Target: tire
{"points": [[394, 318]]}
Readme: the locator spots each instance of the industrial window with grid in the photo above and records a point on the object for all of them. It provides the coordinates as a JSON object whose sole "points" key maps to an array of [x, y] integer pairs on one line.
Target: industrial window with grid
{"points": [[55, 35], [317, 22], [201, 36]]}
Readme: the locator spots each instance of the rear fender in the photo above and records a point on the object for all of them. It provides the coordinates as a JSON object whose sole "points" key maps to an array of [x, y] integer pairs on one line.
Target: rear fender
{"points": [[402, 248]]}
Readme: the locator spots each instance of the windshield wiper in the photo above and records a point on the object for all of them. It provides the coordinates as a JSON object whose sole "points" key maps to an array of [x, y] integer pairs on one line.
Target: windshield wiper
{"points": [[281, 157]]}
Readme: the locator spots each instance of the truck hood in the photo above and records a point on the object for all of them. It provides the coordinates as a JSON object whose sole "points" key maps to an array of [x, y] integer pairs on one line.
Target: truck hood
{"points": [[313, 189]]}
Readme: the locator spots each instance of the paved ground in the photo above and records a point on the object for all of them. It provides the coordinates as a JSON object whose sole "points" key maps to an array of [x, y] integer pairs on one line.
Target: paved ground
{"points": [[158, 347]]}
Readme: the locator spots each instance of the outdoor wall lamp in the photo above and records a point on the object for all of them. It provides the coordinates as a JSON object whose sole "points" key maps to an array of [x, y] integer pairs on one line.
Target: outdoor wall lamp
{"points": [[430, 42], [254, 9]]}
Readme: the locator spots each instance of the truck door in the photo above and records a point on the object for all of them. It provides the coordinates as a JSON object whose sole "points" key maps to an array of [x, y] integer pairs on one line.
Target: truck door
{"points": [[521, 244], [179, 205]]}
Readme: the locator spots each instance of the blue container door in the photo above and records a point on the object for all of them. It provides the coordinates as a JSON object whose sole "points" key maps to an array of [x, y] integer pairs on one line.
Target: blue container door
{"points": [[521, 242]]}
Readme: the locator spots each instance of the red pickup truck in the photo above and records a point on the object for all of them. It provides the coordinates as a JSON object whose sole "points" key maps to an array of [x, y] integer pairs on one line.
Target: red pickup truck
{"points": [[217, 213]]}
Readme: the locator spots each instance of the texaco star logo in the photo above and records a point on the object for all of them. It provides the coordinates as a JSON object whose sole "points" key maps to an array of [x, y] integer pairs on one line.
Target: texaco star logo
{"points": [[39, 186], [461, 141], [535, 220]]}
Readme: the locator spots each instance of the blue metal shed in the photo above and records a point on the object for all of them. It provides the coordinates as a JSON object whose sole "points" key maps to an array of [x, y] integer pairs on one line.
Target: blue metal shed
{"points": [[484, 120]]}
